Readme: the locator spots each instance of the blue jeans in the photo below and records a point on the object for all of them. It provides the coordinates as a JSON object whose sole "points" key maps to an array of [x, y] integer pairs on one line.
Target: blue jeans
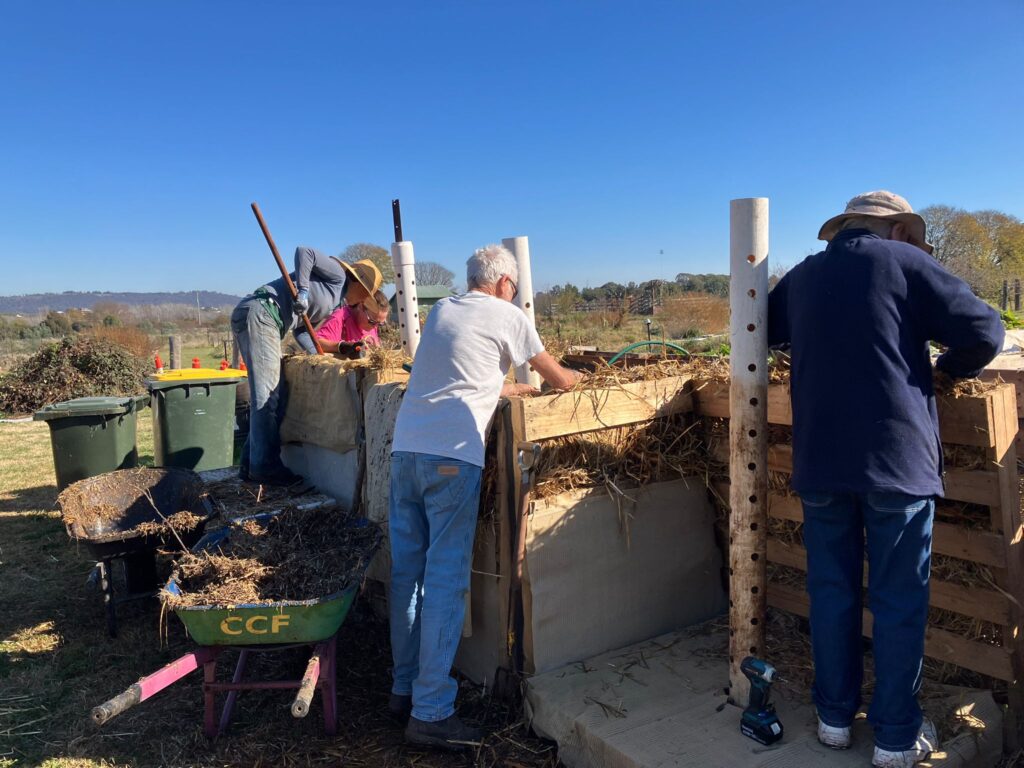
{"points": [[899, 542], [432, 520], [259, 344]]}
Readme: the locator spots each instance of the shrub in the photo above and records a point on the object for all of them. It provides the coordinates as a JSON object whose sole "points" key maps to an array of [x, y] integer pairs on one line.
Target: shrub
{"points": [[133, 339]]}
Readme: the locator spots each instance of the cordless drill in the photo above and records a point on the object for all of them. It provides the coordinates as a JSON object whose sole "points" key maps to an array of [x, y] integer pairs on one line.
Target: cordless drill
{"points": [[759, 720]]}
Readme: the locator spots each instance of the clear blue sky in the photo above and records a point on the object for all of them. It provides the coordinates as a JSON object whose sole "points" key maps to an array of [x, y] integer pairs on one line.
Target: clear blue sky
{"points": [[135, 134]]}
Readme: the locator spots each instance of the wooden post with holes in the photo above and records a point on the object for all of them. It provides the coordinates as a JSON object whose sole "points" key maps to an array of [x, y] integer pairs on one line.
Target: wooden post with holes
{"points": [[748, 435]]}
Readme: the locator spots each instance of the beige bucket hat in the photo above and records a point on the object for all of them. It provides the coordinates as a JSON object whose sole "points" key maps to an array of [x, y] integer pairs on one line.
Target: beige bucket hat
{"points": [[880, 204]]}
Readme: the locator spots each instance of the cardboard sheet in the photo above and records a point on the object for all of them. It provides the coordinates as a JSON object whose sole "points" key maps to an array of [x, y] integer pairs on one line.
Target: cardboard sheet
{"points": [[323, 403], [661, 703], [602, 574]]}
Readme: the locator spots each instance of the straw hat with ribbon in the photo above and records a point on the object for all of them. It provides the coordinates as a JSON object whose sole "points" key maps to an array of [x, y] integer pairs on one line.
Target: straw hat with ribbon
{"points": [[881, 204]]}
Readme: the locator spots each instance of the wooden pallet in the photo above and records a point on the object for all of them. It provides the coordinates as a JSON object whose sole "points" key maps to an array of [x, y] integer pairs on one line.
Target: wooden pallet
{"points": [[988, 421]]}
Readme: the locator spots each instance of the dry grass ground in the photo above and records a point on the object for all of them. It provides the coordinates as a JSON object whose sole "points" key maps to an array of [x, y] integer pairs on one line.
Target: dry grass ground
{"points": [[56, 663]]}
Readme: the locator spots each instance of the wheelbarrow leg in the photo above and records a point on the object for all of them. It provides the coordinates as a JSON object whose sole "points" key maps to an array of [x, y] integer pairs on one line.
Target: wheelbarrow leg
{"points": [[107, 587], [329, 688], [229, 702], [209, 716]]}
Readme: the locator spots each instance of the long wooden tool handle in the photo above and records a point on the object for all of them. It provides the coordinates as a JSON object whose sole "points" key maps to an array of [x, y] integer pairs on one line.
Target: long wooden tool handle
{"points": [[287, 277]]}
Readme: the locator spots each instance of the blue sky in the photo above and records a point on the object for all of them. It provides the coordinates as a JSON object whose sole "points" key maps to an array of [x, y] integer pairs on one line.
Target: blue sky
{"points": [[135, 135]]}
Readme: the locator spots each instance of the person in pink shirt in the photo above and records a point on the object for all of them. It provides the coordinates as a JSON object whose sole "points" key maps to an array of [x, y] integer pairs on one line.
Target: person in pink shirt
{"points": [[350, 324]]}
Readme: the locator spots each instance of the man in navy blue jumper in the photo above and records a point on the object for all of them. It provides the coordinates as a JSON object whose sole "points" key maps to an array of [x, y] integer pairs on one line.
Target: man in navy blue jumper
{"points": [[867, 460]]}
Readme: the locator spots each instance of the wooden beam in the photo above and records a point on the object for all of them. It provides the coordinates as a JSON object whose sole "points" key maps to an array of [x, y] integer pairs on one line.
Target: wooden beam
{"points": [[711, 398], [567, 413], [977, 546], [978, 603], [1006, 518], [964, 420], [939, 644]]}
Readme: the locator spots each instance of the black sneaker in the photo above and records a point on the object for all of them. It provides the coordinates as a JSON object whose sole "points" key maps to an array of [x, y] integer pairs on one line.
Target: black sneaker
{"points": [[400, 707], [282, 476], [451, 734]]}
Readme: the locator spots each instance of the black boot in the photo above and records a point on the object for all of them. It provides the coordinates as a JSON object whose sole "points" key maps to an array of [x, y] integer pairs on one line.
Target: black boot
{"points": [[400, 707], [451, 734]]}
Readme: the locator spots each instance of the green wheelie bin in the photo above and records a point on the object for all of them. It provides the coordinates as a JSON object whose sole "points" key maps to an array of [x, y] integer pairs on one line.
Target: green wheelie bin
{"points": [[92, 435], [194, 417]]}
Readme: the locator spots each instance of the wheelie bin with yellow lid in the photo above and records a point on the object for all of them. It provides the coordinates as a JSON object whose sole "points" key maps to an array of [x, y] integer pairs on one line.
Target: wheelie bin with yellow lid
{"points": [[193, 417]]}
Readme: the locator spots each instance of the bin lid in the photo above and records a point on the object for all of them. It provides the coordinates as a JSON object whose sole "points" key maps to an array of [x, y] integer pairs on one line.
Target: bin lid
{"points": [[90, 406], [185, 376]]}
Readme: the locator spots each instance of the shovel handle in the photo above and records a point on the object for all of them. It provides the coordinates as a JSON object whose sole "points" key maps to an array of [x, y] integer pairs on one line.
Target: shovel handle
{"points": [[287, 277]]}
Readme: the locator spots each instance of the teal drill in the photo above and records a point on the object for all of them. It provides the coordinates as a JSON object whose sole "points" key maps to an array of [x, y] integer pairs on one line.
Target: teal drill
{"points": [[759, 720]]}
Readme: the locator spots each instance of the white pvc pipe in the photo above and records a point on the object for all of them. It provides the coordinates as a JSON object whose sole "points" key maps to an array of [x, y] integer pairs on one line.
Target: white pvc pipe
{"points": [[748, 435], [520, 248], [404, 262]]}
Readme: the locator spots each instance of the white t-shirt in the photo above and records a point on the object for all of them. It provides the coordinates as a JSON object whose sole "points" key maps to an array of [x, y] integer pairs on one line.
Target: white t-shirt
{"points": [[468, 345]]}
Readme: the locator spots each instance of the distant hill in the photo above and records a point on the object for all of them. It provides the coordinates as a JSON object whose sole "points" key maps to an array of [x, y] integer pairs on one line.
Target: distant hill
{"points": [[40, 302]]}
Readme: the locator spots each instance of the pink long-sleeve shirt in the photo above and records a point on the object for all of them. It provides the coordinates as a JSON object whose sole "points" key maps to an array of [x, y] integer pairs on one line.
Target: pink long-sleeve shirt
{"points": [[342, 325]]}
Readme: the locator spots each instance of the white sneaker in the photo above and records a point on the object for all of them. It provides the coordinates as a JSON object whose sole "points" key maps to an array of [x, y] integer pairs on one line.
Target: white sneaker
{"points": [[927, 740], [833, 737]]}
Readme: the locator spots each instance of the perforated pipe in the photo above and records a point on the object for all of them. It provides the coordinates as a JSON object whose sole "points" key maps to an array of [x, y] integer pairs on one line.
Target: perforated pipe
{"points": [[520, 248], [404, 262], [748, 438]]}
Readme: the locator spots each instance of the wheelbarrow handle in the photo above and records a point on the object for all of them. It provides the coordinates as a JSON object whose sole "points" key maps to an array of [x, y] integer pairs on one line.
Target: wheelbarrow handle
{"points": [[117, 705], [153, 684], [304, 698]]}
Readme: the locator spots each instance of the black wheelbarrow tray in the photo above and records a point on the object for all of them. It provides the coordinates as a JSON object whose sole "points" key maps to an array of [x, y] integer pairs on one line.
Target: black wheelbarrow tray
{"points": [[104, 513]]}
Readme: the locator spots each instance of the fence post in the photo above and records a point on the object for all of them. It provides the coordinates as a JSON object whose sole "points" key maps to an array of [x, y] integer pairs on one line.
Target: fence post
{"points": [[175, 352], [1005, 299], [748, 435], [1016, 295]]}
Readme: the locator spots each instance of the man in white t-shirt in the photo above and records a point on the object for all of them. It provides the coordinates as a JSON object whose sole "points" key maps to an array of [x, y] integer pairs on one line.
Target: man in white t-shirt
{"points": [[469, 343]]}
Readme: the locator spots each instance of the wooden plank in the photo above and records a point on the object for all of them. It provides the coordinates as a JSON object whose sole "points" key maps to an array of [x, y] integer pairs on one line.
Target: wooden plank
{"points": [[566, 413], [977, 546], [711, 398], [974, 486], [938, 644], [984, 604], [962, 420]]}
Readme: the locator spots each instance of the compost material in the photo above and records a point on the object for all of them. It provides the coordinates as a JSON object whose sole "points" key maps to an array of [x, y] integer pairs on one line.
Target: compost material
{"points": [[76, 366], [298, 554]]}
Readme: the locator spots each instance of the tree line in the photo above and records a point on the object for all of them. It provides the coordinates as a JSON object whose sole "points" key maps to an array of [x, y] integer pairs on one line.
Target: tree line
{"points": [[984, 248]]}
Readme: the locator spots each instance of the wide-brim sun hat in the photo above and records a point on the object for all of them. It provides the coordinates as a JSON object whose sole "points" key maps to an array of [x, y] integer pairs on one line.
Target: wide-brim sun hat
{"points": [[364, 272], [880, 204]]}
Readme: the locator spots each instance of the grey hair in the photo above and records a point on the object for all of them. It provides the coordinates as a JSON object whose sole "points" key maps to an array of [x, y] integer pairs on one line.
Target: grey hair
{"points": [[872, 224], [488, 264]]}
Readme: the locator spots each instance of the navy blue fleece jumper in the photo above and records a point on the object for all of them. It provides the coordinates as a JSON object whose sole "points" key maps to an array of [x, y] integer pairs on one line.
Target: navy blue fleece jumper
{"points": [[859, 316]]}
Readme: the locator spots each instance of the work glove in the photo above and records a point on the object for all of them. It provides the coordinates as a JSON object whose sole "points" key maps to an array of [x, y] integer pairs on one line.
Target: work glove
{"points": [[301, 302]]}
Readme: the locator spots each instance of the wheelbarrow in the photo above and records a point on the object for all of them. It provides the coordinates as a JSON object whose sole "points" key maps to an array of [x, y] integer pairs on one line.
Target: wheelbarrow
{"points": [[105, 512], [251, 628]]}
